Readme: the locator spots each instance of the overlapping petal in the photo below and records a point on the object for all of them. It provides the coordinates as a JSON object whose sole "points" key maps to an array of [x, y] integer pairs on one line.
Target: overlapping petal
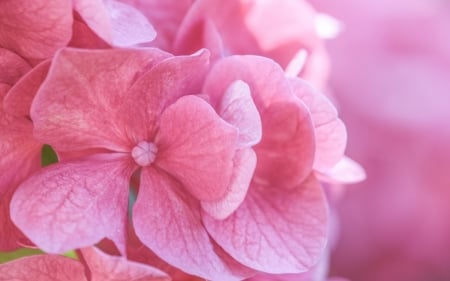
{"points": [[43, 268], [238, 109], [12, 67], [75, 204], [80, 106], [275, 230], [167, 220], [93, 265], [331, 135], [166, 82], [244, 167], [264, 77], [286, 151], [20, 153], [200, 157], [35, 29], [276, 29], [105, 267], [19, 98], [11, 238]]}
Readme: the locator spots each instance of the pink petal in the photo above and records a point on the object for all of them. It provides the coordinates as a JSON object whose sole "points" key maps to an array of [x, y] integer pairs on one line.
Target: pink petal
{"points": [[11, 237], [275, 230], [167, 82], [129, 26], [213, 41], [42, 268], [138, 252], [166, 17], [20, 156], [197, 147], [105, 267], [331, 135], [346, 171], [20, 153], [83, 37], [271, 28], [265, 78], [281, 28], [238, 109], [74, 204], [115, 22], [4, 88], [244, 166], [168, 222], [82, 103], [286, 151], [227, 19], [19, 98], [35, 28], [12, 67]]}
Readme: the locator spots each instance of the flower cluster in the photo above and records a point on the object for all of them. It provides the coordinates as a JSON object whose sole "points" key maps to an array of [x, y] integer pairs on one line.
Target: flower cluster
{"points": [[190, 136]]}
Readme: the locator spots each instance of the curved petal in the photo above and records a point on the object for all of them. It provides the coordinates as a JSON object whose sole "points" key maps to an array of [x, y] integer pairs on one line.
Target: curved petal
{"points": [[81, 103], [331, 135], [196, 147], [167, 82], [287, 132], [238, 109], [20, 157], [4, 88], [12, 238], [19, 98], [43, 268], [282, 28], [20, 153], [12, 67], [35, 28], [275, 29], [346, 171], [276, 230], [85, 38], [129, 25], [74, 204], [115, 22], [166, 17], [168, 222], [106, 267], [244, 166], [265, 78], [286, 151]]}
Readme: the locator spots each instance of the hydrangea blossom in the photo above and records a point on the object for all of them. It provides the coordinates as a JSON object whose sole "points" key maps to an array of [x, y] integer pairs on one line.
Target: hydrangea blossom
{"points": [[224, 151]]}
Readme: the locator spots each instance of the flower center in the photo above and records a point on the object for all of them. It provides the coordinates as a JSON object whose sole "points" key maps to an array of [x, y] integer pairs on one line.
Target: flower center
{"points": [[144, 153]]}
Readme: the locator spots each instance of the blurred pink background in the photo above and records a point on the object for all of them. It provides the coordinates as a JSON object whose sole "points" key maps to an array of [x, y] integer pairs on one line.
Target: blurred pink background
{"points": [[391, 81]]}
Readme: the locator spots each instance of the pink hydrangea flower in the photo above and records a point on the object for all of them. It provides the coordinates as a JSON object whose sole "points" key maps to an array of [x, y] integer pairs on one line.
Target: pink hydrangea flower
{"points": [[174, 137], [226, 162], [93, 265]]}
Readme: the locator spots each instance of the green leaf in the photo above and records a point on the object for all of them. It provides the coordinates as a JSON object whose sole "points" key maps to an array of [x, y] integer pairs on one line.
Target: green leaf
{"points": [[48, 156]]}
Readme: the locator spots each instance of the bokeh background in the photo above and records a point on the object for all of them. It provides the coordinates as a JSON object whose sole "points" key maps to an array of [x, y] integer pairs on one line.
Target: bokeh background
{"points": [[390, 78]]}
